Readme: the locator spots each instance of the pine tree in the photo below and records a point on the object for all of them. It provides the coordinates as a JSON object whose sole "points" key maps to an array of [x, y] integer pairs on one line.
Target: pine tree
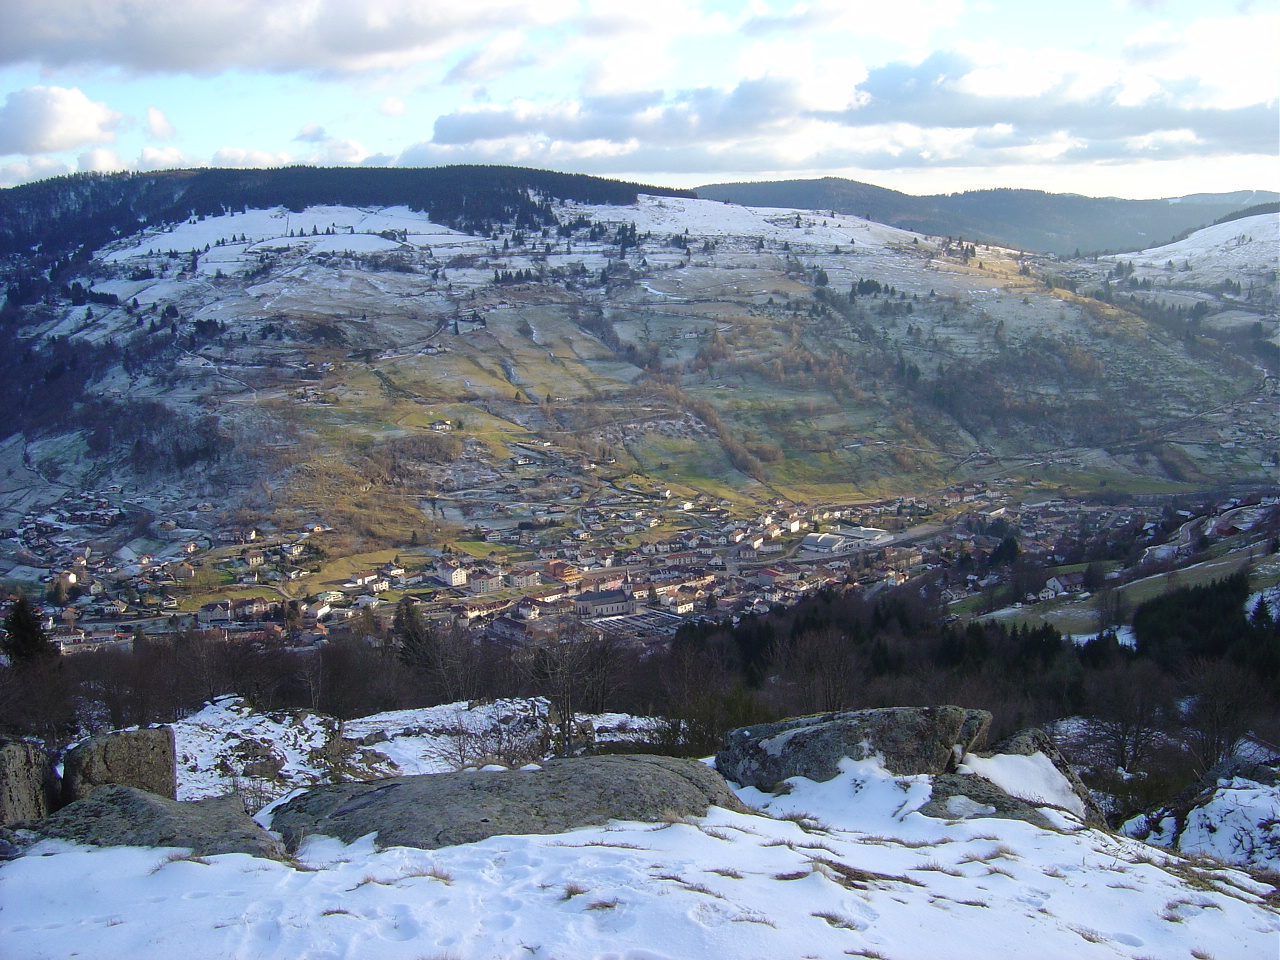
{"points": [[25, 643]]}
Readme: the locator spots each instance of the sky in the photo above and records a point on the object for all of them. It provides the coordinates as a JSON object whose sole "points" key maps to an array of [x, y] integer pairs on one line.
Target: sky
{"points": [[1129, 98]]}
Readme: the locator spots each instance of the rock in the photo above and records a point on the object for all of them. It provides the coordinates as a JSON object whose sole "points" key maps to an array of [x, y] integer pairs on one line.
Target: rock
{"points": [[256, 759], [116, 815], [959, 796], [1232, 813], [133, 758], [1027, 742], [442, 809], [910, 740], [28, 786]]}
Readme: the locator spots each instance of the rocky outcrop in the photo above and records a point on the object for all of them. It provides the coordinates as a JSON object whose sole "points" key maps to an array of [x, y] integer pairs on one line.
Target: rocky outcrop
{"points": [[959, 796], [1232, 813], [438, 810], [134, 758], [28, 787], [1026, 743], [116, 815], [908, 740]]}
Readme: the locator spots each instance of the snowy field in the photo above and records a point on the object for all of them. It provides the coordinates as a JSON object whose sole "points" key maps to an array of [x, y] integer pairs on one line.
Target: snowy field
{"points": [[843, 868], [1236, 250]]}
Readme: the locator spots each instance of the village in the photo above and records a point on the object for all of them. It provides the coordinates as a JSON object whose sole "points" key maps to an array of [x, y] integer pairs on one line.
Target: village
{"points": [[633, 565]]}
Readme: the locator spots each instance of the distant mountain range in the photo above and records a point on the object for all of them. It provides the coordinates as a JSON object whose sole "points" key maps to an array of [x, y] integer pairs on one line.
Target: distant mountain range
{"points": [[1060, 223], [86, 210]]}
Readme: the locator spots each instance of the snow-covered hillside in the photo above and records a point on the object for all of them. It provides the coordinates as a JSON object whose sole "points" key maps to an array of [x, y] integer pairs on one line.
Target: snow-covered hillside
{"points": [[1239, 250], [849, 867], [843, 868], [228, 745]]}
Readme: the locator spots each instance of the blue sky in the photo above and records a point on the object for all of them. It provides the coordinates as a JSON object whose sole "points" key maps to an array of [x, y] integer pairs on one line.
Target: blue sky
{"points": [[1135, 98]]}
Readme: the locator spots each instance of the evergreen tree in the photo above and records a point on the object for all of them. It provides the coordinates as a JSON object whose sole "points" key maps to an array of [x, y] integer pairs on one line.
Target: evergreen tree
{"points": [[25, 642]]}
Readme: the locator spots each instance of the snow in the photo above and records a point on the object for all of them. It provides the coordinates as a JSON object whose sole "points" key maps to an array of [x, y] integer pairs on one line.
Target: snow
{"points": [[213, 745], [257, 226], [1033, 778], [855, 869], [1232, 250], [1239, 824]]}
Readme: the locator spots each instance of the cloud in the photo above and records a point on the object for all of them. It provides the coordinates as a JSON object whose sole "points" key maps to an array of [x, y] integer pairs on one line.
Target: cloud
{"points": [[33, 168], [308, 36], [99, 160], [950, 89], [163, 158], [504, 53], [312, 133], [51, 119], [158, 125], [685, 117], [391, 107], [249, 158], [340, 153], [859, 17], [330, 151]]}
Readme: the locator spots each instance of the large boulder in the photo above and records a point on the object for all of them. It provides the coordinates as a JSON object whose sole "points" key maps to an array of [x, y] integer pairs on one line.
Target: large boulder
{"points": [[908, 740], [1032, 741], [27, 782], [960, 796], [132, 758], [443, 809], [115, 815]]}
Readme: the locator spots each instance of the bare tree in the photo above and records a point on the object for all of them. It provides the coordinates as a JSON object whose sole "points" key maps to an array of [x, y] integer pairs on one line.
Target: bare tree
{"points": [[1225, 700], [1131, 706]]}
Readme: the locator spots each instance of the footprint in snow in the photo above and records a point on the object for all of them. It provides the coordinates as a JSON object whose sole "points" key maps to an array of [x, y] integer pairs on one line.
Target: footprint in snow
{"points": [[397, 923]]}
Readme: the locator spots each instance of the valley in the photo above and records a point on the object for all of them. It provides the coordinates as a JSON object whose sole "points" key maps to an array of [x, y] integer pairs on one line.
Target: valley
{"points": [[624, 383]]}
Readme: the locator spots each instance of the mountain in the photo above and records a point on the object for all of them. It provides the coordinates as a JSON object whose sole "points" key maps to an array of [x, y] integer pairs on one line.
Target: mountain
{"points": [[1026, 219], [346, 344]]}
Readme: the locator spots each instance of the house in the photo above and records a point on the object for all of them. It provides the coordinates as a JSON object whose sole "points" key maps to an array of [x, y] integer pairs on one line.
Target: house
{"points": [[217, 611], [442, 426], [486, 583], [1061, 583], [255, 558], [523, 579], [451, 575], [565, 572], [182, 571]]}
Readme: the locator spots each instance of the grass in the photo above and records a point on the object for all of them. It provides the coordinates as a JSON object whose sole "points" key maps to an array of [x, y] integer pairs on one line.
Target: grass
{"points": [[434, 871]]}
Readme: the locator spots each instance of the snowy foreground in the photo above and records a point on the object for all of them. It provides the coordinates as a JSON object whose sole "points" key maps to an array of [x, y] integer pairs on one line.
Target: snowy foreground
{"points": [[854, 871]]}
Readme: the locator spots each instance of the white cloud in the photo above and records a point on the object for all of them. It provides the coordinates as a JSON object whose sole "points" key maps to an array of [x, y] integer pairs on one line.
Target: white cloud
{"points": [[248, 157], [308, 36], [507, 51], [99, 160], [340, 153], [163, 158], [51, 119], [391, 107], [158, 125], [1217, 63], [33, 168], [858, 17], [312, 133]]}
